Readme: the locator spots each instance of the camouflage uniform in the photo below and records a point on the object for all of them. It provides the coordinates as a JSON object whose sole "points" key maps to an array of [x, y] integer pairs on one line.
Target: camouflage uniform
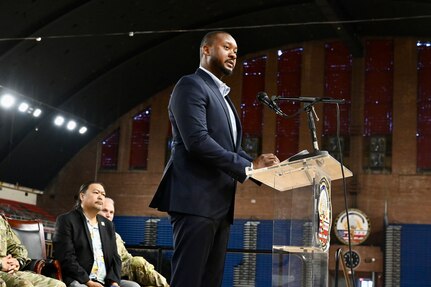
{"points": [[10, 244], [137, 269]]}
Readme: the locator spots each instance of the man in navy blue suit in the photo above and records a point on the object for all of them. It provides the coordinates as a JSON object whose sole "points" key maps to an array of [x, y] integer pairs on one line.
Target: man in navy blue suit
{"points": [[199, 181]]}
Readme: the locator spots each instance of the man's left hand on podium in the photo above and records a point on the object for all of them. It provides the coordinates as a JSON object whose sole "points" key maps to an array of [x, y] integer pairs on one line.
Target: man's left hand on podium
{"points": [[265, 160]]}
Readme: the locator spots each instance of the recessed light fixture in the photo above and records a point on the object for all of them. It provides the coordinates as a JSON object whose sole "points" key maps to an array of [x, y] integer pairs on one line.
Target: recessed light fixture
{"points": [[23, 107], [83, 130], [7, 101], [37, 112], [71, 125], [59, 121]]}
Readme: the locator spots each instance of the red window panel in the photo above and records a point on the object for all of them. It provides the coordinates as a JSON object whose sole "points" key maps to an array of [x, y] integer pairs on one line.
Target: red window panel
{"points": [[338, 84], [424, 118], [378, 87], [109, 155], [288, 85], [338, 80], [337, 57], [330, 119], [140, 139], [379, 55], [378, 120], [424, 82], [424, 109], [253, 81], [423, 150]]}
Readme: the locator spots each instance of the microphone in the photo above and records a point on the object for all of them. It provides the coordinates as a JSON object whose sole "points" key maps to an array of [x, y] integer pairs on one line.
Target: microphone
{"points": [[263, 98]]}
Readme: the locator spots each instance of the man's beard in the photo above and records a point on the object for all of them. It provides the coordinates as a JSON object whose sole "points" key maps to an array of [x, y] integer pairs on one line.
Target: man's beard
{"points": [[226, 71]]}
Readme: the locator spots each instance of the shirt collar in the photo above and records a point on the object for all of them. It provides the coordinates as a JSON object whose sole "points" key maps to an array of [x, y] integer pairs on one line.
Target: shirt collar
{"points": [[223, 88]]}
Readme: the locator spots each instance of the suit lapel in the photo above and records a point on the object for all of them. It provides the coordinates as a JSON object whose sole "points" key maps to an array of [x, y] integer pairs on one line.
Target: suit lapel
{"points": [[87, 232], [103, 238], [210, 83]]}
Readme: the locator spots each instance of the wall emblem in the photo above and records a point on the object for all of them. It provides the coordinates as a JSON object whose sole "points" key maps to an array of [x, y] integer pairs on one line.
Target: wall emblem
{"points": [[360, 227], [324, 210]]}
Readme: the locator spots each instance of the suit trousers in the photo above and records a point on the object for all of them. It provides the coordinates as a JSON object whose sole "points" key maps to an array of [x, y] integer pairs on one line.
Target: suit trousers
{"points": [[199, 250]]}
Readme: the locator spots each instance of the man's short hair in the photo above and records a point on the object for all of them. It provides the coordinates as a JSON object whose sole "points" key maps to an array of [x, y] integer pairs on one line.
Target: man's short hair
{"points": [[208, 39]]}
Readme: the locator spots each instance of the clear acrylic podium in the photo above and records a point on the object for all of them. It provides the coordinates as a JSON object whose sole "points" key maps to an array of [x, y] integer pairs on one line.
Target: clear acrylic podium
{"points": [[302, 218]]}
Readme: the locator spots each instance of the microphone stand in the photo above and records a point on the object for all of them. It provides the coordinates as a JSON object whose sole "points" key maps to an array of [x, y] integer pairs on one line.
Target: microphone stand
{"points": [[311, 115]]}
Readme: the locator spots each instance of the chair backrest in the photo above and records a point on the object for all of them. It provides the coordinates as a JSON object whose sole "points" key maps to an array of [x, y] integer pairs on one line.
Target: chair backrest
{"points": [[31, 234]]}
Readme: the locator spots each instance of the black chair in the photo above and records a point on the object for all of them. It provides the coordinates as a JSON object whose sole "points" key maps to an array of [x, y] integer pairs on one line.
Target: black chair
{"points": [[32, 236]]}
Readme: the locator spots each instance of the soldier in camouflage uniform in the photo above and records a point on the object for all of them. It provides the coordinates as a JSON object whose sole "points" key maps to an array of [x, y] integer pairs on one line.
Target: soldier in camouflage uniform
{"points": [[13, 257], [136, 268]]}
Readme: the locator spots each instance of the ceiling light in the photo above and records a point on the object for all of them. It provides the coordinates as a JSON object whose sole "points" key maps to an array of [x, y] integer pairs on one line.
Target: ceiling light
{"points": [[23, 107], [7, 101], [71, 125], [59, 120], [37, 113], [83, 130]]}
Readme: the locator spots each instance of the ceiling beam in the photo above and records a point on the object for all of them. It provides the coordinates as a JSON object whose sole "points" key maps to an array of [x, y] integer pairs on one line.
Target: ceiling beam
{"points": [[344, 31]]}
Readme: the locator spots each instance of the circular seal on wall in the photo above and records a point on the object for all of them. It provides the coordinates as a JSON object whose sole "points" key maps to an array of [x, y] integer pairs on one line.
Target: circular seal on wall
{"points": [[324, 210], [360, 227]]}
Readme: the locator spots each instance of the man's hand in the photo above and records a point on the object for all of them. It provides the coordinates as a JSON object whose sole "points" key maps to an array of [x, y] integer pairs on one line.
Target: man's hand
{"points": [[265, 160], [9, 264], [93, 284]]}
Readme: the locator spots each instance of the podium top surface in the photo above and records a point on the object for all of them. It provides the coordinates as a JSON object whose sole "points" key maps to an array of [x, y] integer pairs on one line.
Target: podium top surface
{"points": [[289, 175], [296, 249]]}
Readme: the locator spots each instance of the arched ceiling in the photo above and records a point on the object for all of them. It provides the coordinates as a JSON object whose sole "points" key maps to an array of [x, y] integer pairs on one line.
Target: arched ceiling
{"points": [[87, 66]]}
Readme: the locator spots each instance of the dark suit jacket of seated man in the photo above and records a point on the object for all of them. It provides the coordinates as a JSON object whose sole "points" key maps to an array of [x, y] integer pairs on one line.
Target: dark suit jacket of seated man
{"points": [[73, 249], [73, 244]]}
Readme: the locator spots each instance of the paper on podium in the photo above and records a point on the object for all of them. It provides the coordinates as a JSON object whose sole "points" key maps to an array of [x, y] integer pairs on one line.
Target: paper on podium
{"points": [[290, 175]]}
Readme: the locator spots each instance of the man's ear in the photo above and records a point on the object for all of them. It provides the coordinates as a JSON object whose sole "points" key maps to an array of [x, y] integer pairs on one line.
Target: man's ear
{"points": [[206, 50]]}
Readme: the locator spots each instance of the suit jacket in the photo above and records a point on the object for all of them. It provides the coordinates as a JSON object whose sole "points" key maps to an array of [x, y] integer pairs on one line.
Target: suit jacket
{"points": [[200, 177], [73, 247]]}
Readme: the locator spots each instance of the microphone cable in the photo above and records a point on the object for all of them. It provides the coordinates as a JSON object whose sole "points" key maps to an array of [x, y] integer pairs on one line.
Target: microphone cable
{"points": [[340, 153]]}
